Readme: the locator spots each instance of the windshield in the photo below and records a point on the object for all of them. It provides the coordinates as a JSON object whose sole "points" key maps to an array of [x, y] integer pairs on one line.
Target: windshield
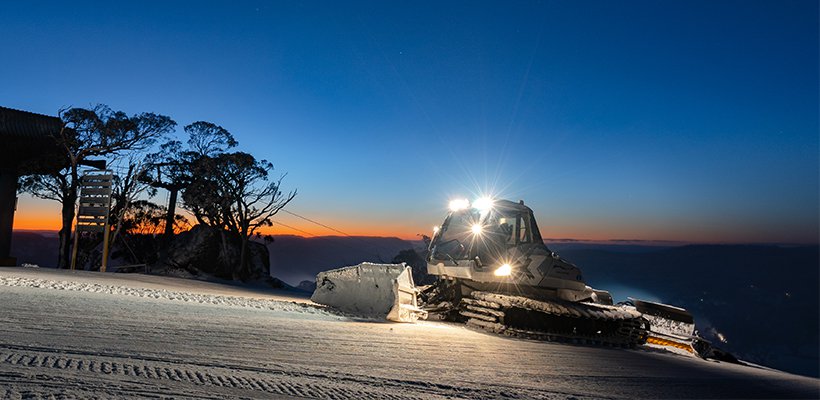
{"points": [[455, 236], [468, 234]]}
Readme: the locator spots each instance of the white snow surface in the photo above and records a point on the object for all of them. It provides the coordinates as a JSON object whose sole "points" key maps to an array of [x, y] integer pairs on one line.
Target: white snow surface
{"points": [[202, 298], [84, 335]]}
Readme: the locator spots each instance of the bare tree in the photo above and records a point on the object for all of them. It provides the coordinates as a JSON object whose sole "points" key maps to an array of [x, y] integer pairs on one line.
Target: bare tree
{"points": [[127, 188], [89, 133]]}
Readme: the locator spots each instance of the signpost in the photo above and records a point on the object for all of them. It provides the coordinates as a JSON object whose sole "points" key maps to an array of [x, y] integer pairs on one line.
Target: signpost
{"points": [[95, 205]]}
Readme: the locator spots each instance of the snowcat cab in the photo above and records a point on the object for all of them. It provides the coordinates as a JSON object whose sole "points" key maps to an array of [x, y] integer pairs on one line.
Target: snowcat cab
{"points": [[496, 246]]}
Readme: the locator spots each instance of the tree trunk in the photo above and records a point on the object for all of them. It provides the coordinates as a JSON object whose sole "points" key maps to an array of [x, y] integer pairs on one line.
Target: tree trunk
{"points": [[168, 235], [224, 257], [243, 258], [68, 213], [172, 210], [64, 255]]}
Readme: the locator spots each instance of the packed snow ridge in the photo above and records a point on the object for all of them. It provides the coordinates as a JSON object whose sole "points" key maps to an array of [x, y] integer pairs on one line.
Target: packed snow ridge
{"points": [[232, 301]]}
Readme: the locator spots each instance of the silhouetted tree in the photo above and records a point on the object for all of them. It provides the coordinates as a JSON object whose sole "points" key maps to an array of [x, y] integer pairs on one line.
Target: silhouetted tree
{"points": [[126, 189], [97, 132], [233, 192], [146, 218], [207, 139], [171, 167]]}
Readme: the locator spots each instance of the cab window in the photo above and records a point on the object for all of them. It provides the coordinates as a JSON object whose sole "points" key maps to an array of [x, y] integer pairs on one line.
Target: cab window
{"points": [[524, 230]]}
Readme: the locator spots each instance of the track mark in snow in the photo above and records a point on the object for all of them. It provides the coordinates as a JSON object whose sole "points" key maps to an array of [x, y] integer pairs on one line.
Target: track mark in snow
{"points": [[221, 377], [254, 380], [8, 394], [234, 301]]}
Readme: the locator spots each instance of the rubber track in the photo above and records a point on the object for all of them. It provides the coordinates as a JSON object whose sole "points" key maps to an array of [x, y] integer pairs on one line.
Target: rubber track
{"points": [[602, 325]]}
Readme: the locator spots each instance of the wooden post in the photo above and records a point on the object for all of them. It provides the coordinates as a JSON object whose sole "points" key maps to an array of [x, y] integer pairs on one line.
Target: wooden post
{"points": [[74, 248], [106, 232]]}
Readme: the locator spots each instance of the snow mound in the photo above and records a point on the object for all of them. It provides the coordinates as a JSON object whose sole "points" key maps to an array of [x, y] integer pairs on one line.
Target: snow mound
{"points": [[231, 301]]}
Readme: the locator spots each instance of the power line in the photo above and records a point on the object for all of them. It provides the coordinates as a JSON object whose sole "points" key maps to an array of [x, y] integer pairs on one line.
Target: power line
{"points": [[295, 229], [317, 223], [372, 245], [339, 244]]}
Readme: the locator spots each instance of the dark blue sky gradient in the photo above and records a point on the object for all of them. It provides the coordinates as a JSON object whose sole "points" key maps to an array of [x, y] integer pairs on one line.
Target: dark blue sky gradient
{"points": [[690, 121]]}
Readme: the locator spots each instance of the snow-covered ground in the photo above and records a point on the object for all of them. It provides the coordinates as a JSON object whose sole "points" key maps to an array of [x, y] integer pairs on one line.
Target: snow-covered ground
{"points": [[81, 334]]}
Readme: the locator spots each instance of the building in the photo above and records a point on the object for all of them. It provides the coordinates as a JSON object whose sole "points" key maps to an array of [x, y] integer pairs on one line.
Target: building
{"points": [[28, 145]]}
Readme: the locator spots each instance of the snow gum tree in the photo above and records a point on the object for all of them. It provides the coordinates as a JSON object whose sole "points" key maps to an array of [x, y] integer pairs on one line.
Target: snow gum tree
{"points": [[95, 133], [171, 168], [234, 192]]}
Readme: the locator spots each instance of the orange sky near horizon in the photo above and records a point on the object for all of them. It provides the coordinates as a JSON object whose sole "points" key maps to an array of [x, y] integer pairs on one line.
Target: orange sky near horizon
{"points": [[44, 215], [46, 222], [39, 214]]}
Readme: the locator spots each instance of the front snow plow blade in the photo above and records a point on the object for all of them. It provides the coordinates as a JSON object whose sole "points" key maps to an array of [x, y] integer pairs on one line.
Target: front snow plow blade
{"points": [[672, 326], [668, 325], [372, 290]]}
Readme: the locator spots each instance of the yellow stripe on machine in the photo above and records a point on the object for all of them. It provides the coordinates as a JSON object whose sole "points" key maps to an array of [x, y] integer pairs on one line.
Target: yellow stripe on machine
{"points": [[671, 343]]}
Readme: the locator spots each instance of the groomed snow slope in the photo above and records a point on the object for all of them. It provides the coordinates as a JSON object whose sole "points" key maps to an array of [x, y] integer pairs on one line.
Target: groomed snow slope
{"points": [[89, 335]]}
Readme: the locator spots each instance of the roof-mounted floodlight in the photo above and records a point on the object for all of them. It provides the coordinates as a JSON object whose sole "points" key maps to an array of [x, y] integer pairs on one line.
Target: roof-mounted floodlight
{"points": [[483, 204], [459, 204]]}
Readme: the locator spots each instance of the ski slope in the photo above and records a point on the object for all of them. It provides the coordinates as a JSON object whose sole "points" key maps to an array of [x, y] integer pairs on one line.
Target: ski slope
{"points": [[92, 335]]}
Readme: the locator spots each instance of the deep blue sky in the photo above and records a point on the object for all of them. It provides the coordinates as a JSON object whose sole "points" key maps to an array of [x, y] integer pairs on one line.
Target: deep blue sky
{"points": [[691, 121]]}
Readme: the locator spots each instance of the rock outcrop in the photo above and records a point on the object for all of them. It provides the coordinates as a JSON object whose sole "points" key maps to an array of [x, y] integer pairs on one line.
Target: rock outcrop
{"points": [[215, 252]]}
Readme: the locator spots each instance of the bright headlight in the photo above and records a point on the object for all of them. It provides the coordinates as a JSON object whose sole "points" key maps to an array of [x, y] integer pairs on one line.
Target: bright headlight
{"points": [[476, 229], [504, 270]]}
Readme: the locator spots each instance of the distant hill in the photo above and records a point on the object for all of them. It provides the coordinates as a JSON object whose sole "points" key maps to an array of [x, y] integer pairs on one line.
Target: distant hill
{"points": [[296, 258], [35, 247], [293, 258]]}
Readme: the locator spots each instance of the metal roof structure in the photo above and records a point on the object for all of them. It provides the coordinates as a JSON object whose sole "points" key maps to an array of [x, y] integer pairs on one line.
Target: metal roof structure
{"points": [[28, 145], [28, 140], [24, 125]]}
